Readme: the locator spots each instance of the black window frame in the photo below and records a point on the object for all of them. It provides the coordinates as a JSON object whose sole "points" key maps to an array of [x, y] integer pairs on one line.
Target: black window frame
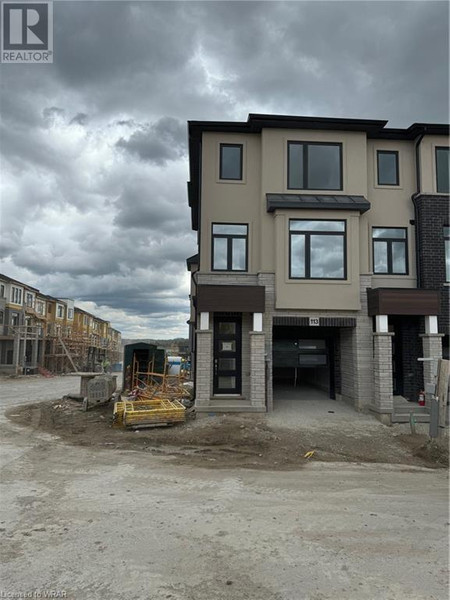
{"points": [[397, 168], [446, 235], [307, 235], [229, 237], [241, 166], [437, 148], [389, 250], [305, 144]]}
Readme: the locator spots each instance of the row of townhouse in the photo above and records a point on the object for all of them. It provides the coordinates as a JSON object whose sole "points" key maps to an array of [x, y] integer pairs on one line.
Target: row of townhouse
{"points": [[37, 330], [323, 260]]}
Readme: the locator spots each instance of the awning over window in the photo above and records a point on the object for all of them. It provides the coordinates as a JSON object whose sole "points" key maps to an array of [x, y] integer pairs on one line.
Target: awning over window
{"points": [[324, 201]]}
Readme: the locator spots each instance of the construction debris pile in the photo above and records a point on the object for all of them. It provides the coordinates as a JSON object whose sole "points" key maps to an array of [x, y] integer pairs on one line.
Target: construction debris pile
{"points": [[156, 399]]}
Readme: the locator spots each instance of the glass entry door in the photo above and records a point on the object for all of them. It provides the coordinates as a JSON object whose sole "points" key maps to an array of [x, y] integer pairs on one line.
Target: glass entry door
{"points": [[227, 355]]}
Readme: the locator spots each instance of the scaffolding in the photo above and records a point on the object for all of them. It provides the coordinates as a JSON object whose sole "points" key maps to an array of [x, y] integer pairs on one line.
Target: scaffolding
{"points": [[78, 352]]}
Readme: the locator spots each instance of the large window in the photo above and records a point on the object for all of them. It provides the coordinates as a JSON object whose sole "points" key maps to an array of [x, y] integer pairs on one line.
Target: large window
{"points": [[231, 161], [314, 166], [447, 252], [390, 250], [229, 247], [442, 169], [387, 167], [16, 295], [317, 249]]}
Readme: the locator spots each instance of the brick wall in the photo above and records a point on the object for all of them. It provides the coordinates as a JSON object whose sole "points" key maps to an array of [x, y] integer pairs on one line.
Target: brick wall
{"points": [[433, 214]]}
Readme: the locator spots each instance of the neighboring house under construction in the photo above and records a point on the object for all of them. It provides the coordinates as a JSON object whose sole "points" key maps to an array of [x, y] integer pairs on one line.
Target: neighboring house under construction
{"points": [[38, 331]]}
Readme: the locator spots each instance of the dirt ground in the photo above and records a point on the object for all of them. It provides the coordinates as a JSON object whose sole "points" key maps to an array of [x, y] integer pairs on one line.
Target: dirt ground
{"points": [[94, 513], [230, 441]]}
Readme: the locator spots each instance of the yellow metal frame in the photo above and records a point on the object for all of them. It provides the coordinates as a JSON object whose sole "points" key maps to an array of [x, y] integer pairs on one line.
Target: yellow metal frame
{"points": [[148, 412]]}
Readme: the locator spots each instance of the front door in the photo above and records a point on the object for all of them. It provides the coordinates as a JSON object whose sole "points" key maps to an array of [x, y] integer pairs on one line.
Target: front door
{"points": [[227, 355]]}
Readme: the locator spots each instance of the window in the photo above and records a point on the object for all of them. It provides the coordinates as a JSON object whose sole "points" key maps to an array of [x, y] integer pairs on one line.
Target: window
{"points": [[2, 317], [389, 250], [231, 161], [317, 249], [2, 291], [70, 313], [40, 307], [85, 320], [387, 167], [29, 299], [16, 295], [447, 253], [229, 247], [442, 169], [14, 319], [60, 311], [314, 166]]}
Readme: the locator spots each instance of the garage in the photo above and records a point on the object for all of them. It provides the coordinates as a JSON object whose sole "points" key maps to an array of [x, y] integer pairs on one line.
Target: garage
{"points": [[305, 362]]}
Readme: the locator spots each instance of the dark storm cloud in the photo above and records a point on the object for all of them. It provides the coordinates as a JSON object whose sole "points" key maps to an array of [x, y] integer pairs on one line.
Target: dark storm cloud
{"points": [[158, 143], [93, 146], [79, 119]]}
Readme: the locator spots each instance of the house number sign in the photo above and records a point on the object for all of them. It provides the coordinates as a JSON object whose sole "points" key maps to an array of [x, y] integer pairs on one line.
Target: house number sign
{"points": [[314, 321]]}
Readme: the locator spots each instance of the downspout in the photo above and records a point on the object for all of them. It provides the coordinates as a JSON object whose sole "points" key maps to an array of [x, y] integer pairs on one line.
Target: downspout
{"points": [[194, 281], [416, 211]]}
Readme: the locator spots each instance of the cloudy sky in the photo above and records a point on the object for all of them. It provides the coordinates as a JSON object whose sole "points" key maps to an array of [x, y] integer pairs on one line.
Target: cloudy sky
{"points": [[94, 163]]}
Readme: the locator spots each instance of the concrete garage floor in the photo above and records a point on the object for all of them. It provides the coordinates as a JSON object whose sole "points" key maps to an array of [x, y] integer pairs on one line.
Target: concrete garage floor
{"points": [[103, 524], [305, 406]]}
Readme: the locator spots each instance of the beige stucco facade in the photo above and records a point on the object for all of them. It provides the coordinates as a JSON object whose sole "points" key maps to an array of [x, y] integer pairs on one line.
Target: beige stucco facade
{"points": [[265, 171]]}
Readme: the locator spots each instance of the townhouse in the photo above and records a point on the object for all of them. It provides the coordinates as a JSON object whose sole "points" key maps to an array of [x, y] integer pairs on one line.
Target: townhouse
{"points": [[22, 326], [40, 331], [323, 260]]}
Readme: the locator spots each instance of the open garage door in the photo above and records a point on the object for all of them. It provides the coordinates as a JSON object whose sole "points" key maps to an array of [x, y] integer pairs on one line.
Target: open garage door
{"points": [[304, 359]]}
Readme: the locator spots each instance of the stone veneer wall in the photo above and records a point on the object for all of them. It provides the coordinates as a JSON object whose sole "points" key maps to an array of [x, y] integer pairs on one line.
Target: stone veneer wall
{"points": [[257, 368], [382, 351], [204, 372]]}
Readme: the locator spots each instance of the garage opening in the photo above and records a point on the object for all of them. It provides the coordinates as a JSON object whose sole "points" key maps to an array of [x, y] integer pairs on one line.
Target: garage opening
{"points": [[305, 362]]}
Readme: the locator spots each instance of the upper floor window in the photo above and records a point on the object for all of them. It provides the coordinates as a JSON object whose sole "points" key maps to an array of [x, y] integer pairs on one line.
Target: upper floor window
{"points": [[231, 161], [15, 319], [40, 307], [442, 169], [16, 295], [229, 247], [60, 311], [314, 166], [317, 249], [390, 250], [447, 252], [2, 291], [70, 315], [387, 167], [29, 300]]}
